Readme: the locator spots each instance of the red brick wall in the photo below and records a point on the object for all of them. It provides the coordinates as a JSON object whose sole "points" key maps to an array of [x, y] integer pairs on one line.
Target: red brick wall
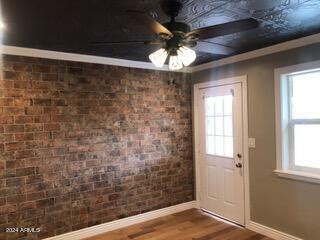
{"points": [[83, 144]]}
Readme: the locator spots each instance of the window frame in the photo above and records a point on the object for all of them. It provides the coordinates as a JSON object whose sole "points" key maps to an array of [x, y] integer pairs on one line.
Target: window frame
{"points": [[291, 126], [285, 124]]}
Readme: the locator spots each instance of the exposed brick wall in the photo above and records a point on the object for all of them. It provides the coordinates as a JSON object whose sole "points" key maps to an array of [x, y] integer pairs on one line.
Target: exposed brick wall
{"points": [[83, 144]]}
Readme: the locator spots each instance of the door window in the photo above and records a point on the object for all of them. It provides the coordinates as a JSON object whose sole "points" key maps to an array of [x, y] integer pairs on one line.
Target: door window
{"points": [[218, 125]]}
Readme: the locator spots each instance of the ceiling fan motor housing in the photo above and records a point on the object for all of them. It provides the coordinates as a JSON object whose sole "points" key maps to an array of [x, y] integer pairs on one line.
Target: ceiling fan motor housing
{"points": [[178, 29], [171, 8], [179, 39]]}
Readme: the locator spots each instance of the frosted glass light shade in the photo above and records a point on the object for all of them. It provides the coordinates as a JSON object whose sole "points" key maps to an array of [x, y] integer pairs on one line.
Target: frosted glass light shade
{"points": [[175, 63], [186, 55], [159, 57]]}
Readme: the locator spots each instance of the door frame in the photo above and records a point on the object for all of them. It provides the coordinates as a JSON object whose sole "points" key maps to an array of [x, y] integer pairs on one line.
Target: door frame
{"points": [[196, 92]]}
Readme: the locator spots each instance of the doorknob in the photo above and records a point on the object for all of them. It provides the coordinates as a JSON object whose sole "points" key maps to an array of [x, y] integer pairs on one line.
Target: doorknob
{"points": [[239, 165]]}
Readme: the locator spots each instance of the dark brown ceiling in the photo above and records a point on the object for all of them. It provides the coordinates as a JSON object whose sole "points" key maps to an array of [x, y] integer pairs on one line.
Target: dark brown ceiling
{"points": [[69, 25]]}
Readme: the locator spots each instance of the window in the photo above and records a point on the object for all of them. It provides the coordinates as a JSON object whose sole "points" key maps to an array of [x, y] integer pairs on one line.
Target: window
{"points": [[304, 121], [298, 123], [219, 136]]}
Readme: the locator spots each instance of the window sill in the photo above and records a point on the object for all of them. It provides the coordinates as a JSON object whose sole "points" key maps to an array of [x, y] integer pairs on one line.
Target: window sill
{"points": [[300, 176]]}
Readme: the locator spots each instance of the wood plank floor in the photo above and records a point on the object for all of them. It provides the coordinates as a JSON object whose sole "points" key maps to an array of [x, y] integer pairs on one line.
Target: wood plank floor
{"points": [[192, 224]]}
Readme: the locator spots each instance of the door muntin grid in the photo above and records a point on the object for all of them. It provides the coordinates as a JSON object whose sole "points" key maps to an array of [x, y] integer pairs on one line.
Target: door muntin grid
{"points": [[219, 125]]}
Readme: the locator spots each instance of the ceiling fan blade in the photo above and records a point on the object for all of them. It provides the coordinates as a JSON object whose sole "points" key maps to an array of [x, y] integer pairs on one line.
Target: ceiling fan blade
{"points": [[213, 48], [225, 28], [150, 22], [125, 42]]}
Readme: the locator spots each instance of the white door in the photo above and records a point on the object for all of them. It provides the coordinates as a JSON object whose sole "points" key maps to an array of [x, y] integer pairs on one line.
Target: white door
{"points": [[221, 143]]}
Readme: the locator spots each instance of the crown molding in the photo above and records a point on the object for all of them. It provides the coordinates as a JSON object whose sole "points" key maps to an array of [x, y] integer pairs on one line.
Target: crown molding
{"points": [[32, 52], [300, 42], [48, 54]]}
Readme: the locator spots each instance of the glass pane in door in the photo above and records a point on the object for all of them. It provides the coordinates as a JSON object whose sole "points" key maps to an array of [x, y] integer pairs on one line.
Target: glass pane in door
{"points": [[219, 126]]}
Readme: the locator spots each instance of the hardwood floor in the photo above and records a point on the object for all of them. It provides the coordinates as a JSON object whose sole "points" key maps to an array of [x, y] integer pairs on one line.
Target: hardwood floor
{"points": [[192, 224]]}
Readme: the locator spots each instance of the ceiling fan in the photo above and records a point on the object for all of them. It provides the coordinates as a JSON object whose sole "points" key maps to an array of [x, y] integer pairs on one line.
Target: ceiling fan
{"points": [[176, 40]]}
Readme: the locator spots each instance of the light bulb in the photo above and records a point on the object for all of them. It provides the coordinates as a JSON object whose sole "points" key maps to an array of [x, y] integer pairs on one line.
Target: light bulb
{"points": [[159, 57], [175, 63], [186, 55]]}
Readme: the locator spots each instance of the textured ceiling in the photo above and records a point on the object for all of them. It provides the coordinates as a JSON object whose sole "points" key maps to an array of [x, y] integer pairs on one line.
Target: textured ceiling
{"points": [[70, 25]]}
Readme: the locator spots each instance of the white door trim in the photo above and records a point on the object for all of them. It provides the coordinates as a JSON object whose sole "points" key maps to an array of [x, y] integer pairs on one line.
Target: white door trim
{"points": [[214, 83]]}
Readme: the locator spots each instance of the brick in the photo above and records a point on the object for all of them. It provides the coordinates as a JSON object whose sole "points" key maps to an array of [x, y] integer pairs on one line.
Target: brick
{"points": [[23, 137], [13, 92], [36, 196], [21, 67], [42, 102], [24, 154], [6, 102], [42, 135], [22, 102], [6, 84], [9, 208], [14, 182], [6, 119], [75, 70], [34, 127], [59, 102], [22, 84], [2, 201], [50, 77], [34, 179], [41, 85], [27, 205], [25, 171], [45, 202], [89, 143], [10, 75], [13, 146], [16, 199], [15, 128], [42, 119], [33, 110], [23, 119], [13, 110], [41, 68], [52, 127]]}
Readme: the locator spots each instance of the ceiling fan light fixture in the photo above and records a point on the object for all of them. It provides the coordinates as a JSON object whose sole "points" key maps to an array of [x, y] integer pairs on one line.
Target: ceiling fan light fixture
{"points": [[186, 55], [159, 57], [175, 63]]}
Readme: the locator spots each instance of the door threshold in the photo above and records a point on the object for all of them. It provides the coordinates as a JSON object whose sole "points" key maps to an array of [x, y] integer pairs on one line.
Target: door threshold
{"points": [[221, 218]]}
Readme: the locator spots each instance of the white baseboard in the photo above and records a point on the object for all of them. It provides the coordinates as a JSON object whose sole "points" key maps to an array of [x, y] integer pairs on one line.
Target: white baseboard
{"points": [[270, 232], [110, 226]]}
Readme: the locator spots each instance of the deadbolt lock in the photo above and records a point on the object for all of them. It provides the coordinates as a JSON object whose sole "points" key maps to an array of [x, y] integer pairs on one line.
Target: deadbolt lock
{"points": [[239, 155]]}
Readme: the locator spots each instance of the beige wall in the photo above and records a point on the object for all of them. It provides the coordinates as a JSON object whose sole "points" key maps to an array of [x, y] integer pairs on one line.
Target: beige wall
{"points": [[287, 205]]}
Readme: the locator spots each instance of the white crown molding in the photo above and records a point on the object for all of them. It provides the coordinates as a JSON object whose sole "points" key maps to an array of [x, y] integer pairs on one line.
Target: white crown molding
{"points": [[300, 42], [270, 232], [39, 53], [121, 223], [31, 52]]}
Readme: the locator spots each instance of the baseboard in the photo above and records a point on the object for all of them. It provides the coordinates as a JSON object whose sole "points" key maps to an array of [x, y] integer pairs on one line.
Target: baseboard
{"points": [[270, 232], [106, 227]]}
